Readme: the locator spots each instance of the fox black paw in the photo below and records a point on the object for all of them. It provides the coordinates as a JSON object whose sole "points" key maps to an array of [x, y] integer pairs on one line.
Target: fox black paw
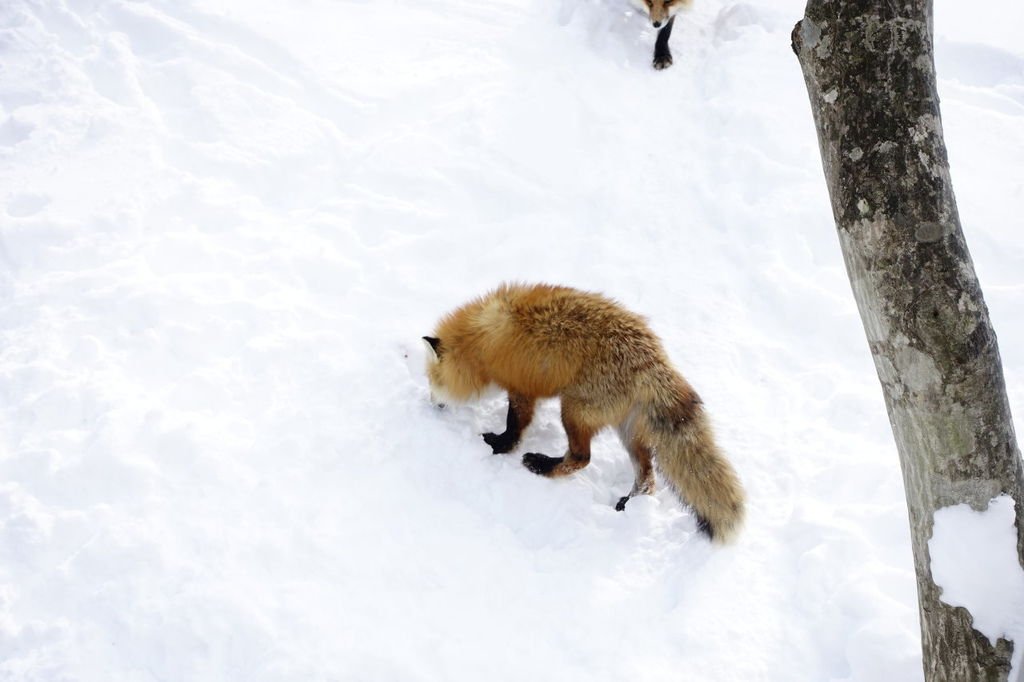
{"points": [[621, 504], [499, 443], [662, 61], [540, 464]]}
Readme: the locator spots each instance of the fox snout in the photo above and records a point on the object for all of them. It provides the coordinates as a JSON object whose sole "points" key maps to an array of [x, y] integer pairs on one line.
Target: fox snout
{"points": [[661, 11]]}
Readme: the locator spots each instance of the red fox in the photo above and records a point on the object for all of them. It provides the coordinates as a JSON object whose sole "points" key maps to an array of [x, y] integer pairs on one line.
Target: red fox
{"points": [[662, 14], [608, 368]]}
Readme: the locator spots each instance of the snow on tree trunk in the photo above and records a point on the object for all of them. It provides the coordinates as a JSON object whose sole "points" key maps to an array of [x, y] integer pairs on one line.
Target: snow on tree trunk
{"points": [[870, 74]]}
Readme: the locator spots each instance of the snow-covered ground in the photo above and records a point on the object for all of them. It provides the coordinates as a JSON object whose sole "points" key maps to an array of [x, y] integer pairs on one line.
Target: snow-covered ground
{"points": [[225, 224]]}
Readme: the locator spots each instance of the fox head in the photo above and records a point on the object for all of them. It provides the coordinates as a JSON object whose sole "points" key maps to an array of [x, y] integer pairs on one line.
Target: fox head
{"points": [[452, 378], [660, 11]]}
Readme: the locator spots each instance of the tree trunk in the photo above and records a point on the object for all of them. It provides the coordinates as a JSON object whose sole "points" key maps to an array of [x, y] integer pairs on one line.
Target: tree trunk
{"points": [[870, 75]]}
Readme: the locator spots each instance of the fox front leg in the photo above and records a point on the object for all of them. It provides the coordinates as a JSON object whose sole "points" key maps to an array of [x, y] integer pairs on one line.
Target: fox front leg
{"points": [[520, 414], [662, 55]]}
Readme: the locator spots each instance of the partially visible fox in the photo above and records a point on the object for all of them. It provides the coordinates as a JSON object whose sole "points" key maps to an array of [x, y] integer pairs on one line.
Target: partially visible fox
{"points": [[608, 368], [662, 14]]}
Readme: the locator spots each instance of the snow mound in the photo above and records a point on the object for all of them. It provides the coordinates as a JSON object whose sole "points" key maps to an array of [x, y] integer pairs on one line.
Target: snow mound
{"points": [[974, 562]]}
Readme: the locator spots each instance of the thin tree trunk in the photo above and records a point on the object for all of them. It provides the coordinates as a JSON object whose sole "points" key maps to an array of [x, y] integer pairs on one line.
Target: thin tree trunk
{"points": [[870, 74]]}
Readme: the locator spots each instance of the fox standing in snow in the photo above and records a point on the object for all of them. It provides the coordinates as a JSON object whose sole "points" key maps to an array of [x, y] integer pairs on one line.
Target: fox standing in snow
{"points": [[608, 368], [662, 14]]}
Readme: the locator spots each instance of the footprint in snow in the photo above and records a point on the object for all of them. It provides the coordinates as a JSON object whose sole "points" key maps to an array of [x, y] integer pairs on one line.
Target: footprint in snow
{"points": [[27, 204]]}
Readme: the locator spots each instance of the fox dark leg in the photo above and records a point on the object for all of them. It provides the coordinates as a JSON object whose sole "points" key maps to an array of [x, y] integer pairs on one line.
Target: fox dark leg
{"points": [[643, 465], [520, 414], [578, 455], [662, 55]]}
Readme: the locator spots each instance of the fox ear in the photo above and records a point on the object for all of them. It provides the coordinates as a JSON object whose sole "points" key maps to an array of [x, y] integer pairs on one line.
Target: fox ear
{"points": [[435, 345]]}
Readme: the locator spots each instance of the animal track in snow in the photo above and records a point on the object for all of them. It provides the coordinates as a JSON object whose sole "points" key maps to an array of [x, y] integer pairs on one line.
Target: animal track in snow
{"points": [[27, 204]]}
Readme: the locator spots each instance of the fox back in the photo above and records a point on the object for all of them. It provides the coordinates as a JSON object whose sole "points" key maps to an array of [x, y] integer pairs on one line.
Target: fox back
{"points": [[537, 340]]}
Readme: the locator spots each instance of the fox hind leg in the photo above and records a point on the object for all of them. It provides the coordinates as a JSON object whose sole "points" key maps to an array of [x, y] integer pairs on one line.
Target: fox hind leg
{"points": [[643, 466], [520, 414]]}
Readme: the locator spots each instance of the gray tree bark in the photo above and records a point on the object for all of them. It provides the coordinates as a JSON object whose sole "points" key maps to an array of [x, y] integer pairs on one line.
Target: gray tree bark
{"points": [[870, 74]]}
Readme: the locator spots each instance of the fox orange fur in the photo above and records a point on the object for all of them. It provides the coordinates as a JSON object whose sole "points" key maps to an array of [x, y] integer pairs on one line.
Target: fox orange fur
{"points": [[608, 368]]}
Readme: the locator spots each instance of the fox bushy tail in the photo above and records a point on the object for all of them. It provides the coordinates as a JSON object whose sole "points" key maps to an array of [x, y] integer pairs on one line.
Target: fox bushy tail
{"points": [[688, 457]]}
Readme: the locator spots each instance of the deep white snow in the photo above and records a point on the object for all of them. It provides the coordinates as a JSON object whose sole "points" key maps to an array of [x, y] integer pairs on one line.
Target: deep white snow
{"points": [[224, 227]]}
